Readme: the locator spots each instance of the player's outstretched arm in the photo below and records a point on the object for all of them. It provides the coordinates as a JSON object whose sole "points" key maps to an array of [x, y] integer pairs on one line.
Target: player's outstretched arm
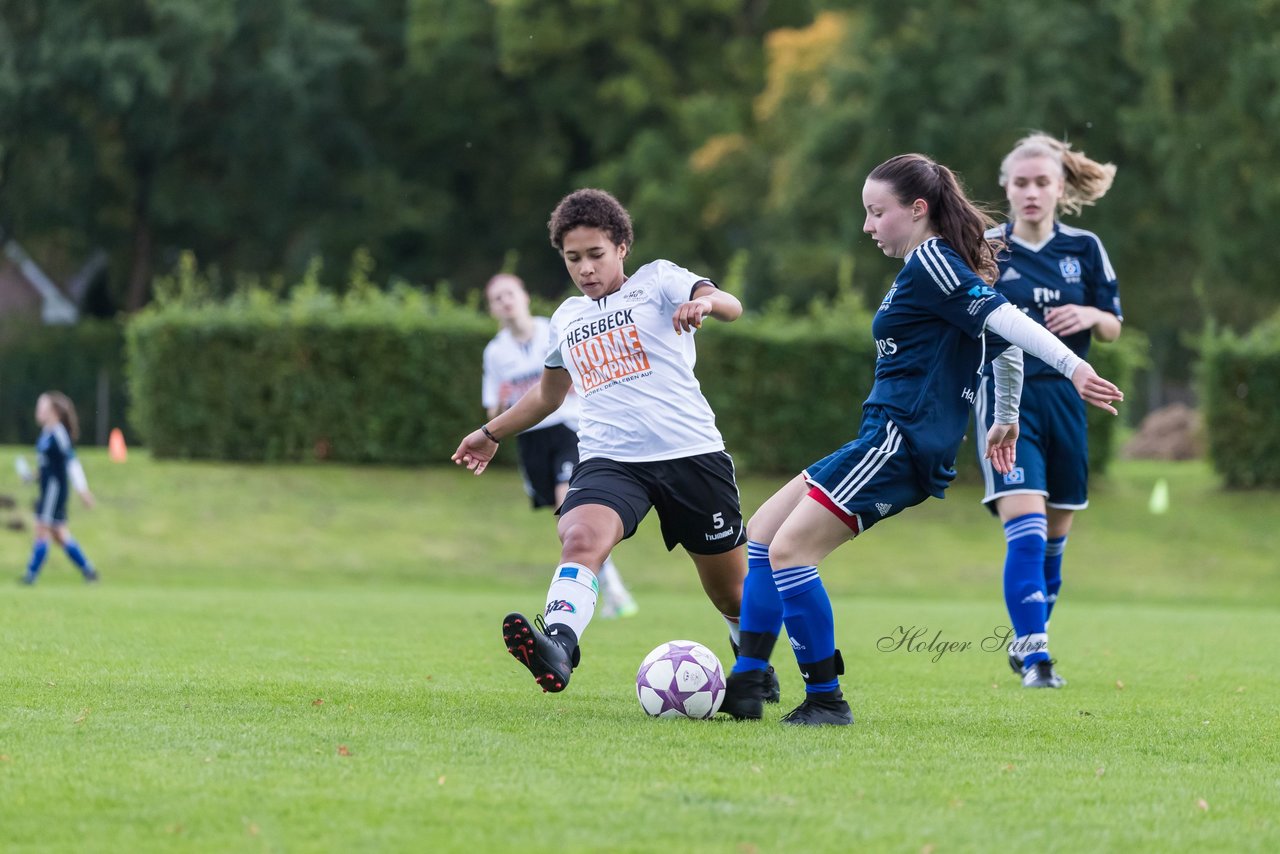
{"points": [[479, 446], [1020, 330], [1095, 390], [708, 300]]}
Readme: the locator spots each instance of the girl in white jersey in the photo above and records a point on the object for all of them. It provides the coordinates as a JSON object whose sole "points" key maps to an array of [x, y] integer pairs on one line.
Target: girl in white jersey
{"points": [[647, 437], [548, 451]]}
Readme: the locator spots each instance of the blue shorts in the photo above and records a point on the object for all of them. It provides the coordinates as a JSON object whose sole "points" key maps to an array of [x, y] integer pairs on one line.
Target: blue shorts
{"points": [[1053, 445], [871, 478], [51, 506]]}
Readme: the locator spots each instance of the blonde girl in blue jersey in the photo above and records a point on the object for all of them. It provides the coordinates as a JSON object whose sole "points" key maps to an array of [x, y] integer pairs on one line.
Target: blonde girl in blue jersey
{"points": [[1060, 277], [58, 469], [929, 340]]}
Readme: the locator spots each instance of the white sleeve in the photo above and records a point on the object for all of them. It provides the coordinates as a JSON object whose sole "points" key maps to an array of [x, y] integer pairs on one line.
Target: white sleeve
{"points": [[554, 359], [75, 471], [677, 283], [489, 382], [1018, 329], [1007, 369]]}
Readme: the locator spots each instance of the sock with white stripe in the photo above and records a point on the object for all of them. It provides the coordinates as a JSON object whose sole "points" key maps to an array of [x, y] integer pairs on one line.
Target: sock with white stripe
{"points": [[806, 611], [1053, 550], [761, 619], [1024, 593], [571, 599], [38, 552]]}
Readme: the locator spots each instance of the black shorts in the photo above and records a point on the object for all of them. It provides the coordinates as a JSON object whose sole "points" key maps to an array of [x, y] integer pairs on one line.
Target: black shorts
{"points": [[696, 498], [547, 458]]}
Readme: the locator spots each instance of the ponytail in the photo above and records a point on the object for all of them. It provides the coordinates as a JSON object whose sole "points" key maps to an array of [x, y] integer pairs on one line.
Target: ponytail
{"points": [[1084, 180], [957, 220]]}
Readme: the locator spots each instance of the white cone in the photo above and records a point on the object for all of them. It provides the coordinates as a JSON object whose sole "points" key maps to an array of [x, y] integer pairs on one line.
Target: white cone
{"points": [[1159, 502]]}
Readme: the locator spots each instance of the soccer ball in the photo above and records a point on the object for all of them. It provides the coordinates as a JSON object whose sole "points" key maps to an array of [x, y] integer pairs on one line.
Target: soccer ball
{"points": [[680, 679]]}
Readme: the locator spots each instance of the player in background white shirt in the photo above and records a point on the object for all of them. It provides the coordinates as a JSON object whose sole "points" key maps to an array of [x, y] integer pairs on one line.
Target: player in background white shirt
{"points": [[513, 364], [647, 437]]}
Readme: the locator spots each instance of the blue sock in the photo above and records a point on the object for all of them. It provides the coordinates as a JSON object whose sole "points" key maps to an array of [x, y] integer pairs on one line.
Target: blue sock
{"points": [[761, 619], [806, 610], [72, 548], [1053, 550], [1024, 593], [38, 552]]}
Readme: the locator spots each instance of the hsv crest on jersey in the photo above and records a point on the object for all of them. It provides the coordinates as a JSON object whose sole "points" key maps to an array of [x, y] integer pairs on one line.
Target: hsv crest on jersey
{"points": [[1071, 269]]}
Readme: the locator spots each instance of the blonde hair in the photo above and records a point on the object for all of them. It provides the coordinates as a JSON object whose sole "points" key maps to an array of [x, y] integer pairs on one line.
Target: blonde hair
{"points": [[1084, 180]]}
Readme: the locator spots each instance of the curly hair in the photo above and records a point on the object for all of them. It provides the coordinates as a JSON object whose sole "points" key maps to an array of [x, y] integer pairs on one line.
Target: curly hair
{"points": [[957, 220], [1084, 180], [588, 208]]}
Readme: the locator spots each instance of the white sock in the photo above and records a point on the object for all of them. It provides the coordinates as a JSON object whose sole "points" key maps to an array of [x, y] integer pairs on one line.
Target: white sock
{"points": [[734, 632], [571, 599], [1025, 645], [615, 592]]}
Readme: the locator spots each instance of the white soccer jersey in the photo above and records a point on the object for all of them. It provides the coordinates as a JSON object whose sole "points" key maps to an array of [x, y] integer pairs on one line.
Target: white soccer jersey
{"points": [[640, 399], [512, 367]]}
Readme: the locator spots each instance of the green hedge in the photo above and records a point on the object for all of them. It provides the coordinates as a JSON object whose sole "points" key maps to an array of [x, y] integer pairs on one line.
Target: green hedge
{"points": [[367, 378], [1119, 362], [396, 378], [83, 361], [787, 391], [1240, 387]]}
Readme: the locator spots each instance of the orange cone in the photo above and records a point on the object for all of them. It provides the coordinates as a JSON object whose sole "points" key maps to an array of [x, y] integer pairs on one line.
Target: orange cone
{"points": [[115, 447]]}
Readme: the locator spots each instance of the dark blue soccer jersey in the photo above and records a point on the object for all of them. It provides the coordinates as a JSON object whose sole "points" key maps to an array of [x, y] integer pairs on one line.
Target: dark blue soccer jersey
{"points": [[929, 355], [1070, 268], [53, 452]]}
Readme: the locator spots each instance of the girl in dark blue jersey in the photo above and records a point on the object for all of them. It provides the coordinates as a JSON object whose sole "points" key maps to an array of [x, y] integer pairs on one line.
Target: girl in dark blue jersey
{"points": [[58, 470], [930, 351], [1060, 277]]}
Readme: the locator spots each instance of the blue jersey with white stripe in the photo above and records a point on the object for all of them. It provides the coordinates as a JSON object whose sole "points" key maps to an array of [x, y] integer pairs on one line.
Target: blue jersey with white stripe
{"points": [[1070, 268], [929, 355], [53, 452]]}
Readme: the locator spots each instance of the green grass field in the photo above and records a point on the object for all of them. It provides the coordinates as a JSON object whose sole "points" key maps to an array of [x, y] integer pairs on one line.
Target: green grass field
{"points": [[308, 659]]}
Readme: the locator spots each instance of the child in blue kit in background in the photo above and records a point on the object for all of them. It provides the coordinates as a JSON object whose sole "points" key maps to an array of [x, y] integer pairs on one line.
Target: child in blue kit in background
{"points": [[58, 468]]}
